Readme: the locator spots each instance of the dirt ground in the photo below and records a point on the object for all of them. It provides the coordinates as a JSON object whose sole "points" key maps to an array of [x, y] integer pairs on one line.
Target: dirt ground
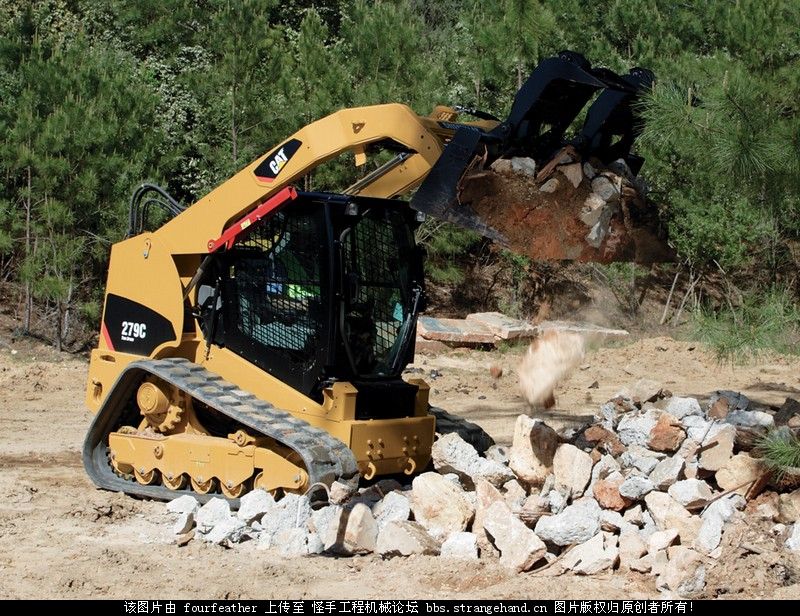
{"points": [[62, 538]]}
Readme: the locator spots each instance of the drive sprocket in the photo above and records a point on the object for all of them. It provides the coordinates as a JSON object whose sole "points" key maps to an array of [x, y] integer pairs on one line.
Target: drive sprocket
{"points": [[161, 413]]}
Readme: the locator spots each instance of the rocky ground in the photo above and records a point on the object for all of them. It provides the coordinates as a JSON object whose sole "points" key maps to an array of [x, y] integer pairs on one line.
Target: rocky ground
{"points": [[59, 537]]}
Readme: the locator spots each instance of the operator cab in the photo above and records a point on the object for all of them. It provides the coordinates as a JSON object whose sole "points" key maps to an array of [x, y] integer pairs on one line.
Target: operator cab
{"points": [[327, 288]]}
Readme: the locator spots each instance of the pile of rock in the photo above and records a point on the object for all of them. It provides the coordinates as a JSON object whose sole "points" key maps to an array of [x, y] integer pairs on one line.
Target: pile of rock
{"points": [[648, 487], [600, 210]]}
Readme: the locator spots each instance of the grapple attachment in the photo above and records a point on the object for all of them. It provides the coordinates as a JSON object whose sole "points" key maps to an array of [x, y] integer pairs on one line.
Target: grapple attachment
{"points": [[544, 109]]}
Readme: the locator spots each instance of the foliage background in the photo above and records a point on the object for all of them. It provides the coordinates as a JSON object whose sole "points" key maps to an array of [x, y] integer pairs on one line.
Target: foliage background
{"points": [[98, 95]]}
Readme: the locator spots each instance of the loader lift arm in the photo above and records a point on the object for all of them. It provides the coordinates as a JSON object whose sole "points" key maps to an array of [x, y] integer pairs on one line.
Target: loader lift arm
{"points": [[420, 141], [434, 151]]}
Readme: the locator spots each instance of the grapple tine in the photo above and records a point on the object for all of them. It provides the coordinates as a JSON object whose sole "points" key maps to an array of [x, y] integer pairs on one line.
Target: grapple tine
{"points": [[543, 110], [438, 194], [546, 104], [612, 115]]}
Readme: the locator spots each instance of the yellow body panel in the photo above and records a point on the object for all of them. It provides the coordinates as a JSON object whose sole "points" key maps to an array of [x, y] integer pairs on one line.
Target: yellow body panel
{"points": [[380, 446], [154, 269]]}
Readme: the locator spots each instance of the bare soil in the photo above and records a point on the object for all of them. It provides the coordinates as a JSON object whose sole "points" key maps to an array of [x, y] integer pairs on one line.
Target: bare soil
{"points": [[62, 538], [546, 226]]}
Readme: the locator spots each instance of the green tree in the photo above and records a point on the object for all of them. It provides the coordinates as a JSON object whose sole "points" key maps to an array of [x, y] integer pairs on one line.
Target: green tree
{"points": [[77, 123]]}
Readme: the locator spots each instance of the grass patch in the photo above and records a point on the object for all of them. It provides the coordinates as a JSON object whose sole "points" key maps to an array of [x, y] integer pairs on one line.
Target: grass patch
{"points": [[515, 345], [780, 450], [763, 322]]}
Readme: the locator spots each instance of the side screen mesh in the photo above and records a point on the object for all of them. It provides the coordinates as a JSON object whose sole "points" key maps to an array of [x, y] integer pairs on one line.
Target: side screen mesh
{"points": [[277, 282], [375, 273]]}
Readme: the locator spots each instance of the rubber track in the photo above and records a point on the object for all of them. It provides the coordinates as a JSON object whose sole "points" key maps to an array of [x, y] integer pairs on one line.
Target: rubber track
{"points": [[325, 457]]}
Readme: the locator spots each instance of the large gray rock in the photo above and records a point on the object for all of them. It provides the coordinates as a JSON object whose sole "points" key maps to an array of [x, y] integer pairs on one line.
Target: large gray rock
{"points": [[683, 407], [718, 447], [789, 507], [640, 458], [351, 531], [605, 189], [710, 534], [633, 515], [793, 542], [514, 494], [183, 504], [294, 542], [519, 546], [661, 540], [593, 556], [691, 493], [576, 524], [525, 165], [184, 523], [404, 538], [452, 454], [321, 519], [739, 472], [611, 521], [635, 427], [668, 513], [604, 467], [211, 514], [685, 573], [395, 507], [532, 450], [631, 548], [292, 511], [572, 468], [635, 487], [667, 472], [462, 546], [439, 505], [254, 504], [750, 419], [341, 491], [226, 532], [497, 453]]}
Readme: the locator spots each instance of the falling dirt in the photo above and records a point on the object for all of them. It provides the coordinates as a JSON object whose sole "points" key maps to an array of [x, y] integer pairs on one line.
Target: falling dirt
{"points": [[62, 538]]}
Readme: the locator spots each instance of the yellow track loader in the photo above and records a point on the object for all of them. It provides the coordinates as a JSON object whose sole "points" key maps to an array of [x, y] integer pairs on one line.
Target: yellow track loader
{"points": [[258, 338]]}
